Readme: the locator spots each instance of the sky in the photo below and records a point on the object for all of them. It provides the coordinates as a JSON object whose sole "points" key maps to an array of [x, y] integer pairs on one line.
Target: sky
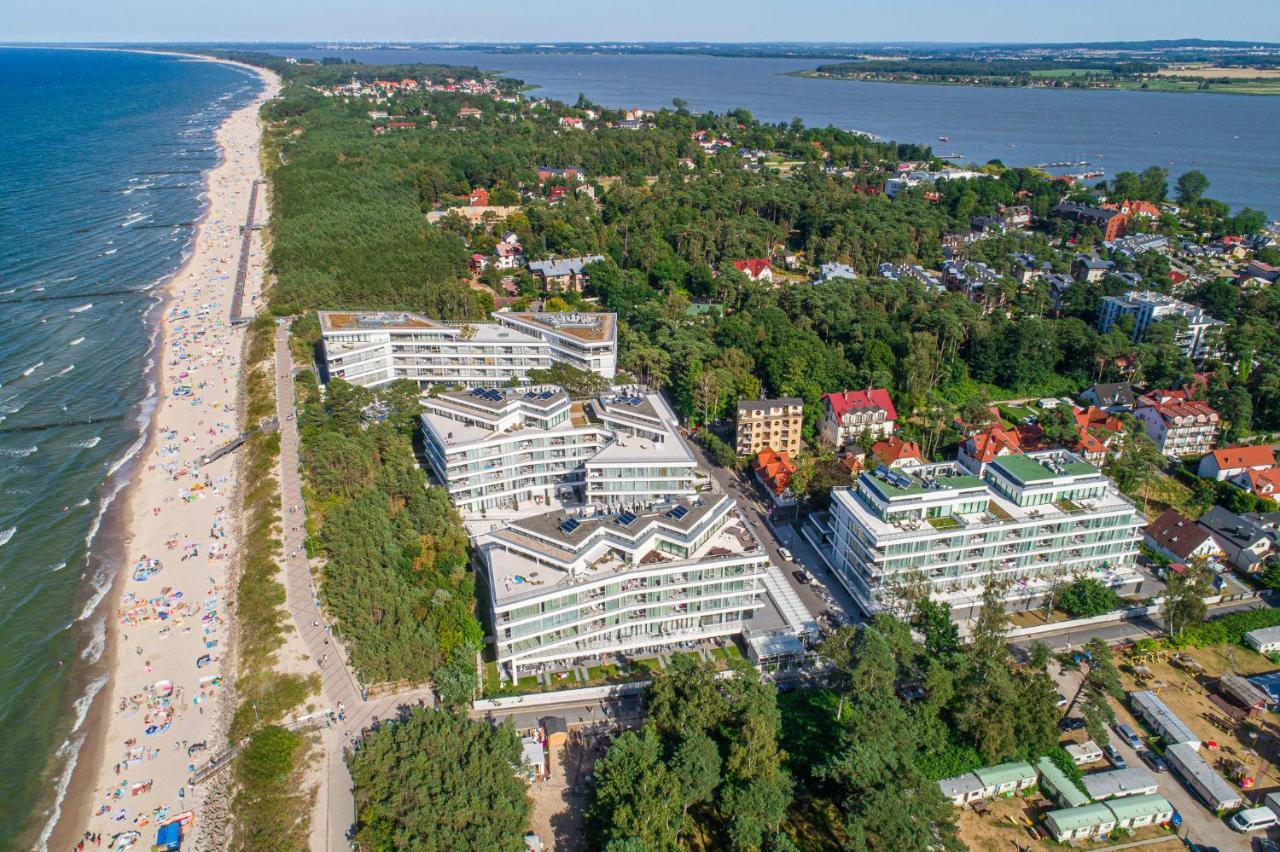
{"points": [[641, 20]]}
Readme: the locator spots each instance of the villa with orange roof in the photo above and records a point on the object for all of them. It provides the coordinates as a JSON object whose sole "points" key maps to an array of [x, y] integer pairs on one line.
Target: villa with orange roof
{"points": [[895, 452], [981, 448], [1260, 483], [1229, 462]]}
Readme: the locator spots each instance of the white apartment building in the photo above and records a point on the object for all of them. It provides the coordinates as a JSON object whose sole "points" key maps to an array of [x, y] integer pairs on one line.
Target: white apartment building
{"points": [[586, 341], [561, 588], [376, 348], [516, 449], [1179, 427], [1197, 341], [1032, 519]]}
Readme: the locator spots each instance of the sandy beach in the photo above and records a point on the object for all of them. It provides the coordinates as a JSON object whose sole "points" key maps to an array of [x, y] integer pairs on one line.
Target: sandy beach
{"points": [[171, 616]]}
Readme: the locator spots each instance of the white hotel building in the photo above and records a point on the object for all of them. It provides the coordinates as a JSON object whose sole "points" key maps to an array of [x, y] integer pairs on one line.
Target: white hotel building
{"points": [[586, 341], [1033, 519], [561, 588], [517, 449], [376, 348]]}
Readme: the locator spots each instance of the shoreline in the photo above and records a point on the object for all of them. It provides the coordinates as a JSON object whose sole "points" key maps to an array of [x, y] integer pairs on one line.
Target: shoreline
{"points": [[812, 74], [128, 526]]}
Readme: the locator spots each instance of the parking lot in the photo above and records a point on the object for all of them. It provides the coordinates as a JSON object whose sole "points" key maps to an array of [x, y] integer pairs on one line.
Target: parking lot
{"points": [[1199, 824]]}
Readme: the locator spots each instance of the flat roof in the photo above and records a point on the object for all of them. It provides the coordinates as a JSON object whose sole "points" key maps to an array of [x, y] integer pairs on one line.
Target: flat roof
{"points": [[373, 320], [1134, 807], [1027, 468], [589, 327], [1073, 819], [1118, 782], [1067, 789], [1172, 729], [765, 404], [1003, 773]]}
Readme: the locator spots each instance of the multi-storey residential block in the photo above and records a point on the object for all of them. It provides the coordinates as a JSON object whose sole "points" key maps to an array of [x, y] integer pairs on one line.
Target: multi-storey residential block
{"points": [[1030, 519], [773, 423], [372, 349], [1179, 427], [586, 341], [563, 588], [1198, 338], [846, 415], [515, 449], [648, 461]]}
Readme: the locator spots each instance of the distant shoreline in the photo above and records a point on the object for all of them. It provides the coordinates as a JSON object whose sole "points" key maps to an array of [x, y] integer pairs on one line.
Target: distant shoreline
{"points": [[1270, 88]]}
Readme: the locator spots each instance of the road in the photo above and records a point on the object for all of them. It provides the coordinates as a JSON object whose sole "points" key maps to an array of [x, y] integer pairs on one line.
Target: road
{"points": [[825, 593], [1122, 631]]}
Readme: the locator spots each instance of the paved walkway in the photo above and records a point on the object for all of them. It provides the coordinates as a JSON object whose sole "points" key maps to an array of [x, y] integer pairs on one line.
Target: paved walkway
{"points": [[335, 814]]}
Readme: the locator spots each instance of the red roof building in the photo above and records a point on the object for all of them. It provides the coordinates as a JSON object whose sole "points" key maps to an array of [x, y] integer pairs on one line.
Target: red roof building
{"points": [[982, 448], [479, 197], [895, 452], [1179, 426], [774, 470], [1262, 483], [848, 414], [1178, 538], [756, 268], [1231, 461]]}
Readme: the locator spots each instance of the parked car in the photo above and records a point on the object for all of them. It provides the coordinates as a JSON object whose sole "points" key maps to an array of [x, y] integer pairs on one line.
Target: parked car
{"points": [[785, 554], [1155, 761], [1071, 723], [1127, 734], [1116, 758], [1253, 819], [801, 577]]}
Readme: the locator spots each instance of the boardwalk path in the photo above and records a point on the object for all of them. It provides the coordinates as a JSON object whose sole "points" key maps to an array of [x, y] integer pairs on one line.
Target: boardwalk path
{"points": [[335, 812], [242, 268]]}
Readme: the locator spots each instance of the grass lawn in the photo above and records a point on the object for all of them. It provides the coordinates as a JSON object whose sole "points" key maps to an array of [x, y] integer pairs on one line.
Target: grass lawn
{"points": [[1165, 492], [647, 665], [1018, 413], [731, 652], [1067, 72]]}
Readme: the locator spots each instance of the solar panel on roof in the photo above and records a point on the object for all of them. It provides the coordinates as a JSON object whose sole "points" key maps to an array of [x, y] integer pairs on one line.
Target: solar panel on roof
{"points": [[547, 394], [678, 512], [568, 525], [627, 518], [476, 391]]}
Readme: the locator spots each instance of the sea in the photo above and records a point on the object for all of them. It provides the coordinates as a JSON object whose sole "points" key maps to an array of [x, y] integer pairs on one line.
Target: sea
{"points": [[102, 156], [1233, 139]]}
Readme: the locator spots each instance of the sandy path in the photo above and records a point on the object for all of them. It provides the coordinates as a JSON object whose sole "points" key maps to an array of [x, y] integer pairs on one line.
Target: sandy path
{"points": [[171, 627]]}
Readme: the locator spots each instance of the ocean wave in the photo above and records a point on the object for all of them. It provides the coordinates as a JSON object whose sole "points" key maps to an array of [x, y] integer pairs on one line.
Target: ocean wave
{"points": [[135, 219], [66, 369], [110, 252], [93, 651], [32, 368], [19, 454], [89, 444], [76, 342], [5, 535], [53, 569], [70, 751], [82, 308]]}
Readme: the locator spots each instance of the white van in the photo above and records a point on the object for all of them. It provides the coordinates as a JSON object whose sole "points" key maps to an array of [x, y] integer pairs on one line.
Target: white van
{"points": [[1253, 819]]}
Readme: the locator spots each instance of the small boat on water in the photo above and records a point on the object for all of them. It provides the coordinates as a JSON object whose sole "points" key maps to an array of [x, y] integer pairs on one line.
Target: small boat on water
{"points": [[944, 138]]}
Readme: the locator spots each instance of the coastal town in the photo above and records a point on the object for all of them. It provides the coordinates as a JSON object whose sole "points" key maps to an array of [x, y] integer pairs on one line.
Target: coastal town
{"points": [[572, 477]]}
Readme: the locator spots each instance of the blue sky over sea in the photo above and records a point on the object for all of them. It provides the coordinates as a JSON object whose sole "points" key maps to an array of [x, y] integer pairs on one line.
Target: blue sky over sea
{"points": [[653, 20]]}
